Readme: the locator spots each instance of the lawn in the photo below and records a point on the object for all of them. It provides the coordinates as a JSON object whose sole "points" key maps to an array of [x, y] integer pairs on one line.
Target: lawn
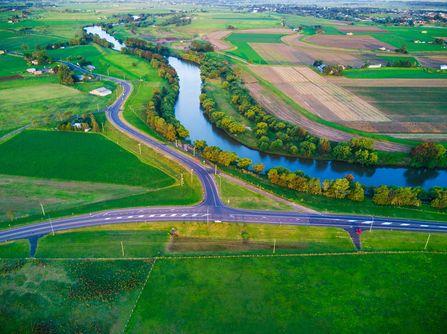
{"points": [[296, 294], [77, 156], [243, 48], [46, 101], [407, 104], [394, 72], [68, 296]]}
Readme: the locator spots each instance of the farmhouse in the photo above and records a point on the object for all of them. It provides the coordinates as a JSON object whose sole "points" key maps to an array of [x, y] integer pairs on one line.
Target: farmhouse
{"points": [[101, 91], [375, 66], [443, 67]]}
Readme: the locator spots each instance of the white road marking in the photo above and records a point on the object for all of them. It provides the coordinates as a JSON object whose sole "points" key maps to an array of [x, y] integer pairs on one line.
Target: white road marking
{"points": [[352, 220], [404, 224], [367, 222], [184, 214], [140, 216], [119, 217], [151, 216], [163, 215], [194, 215], [173, 215], [108, 218], [129, 217], [387, 223], [423, 225]]}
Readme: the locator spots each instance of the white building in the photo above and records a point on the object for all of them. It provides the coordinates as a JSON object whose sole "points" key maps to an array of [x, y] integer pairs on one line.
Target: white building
{"points": [[375, 66], [443, 67], [101, 91]]}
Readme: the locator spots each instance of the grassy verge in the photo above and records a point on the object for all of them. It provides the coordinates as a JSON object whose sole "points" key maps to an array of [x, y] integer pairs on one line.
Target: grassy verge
{"points": [[238, 196], [393, 240]]}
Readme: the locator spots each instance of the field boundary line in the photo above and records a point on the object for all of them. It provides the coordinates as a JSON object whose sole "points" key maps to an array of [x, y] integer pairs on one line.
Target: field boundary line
{"points": [[139, 295], [155, 258]]}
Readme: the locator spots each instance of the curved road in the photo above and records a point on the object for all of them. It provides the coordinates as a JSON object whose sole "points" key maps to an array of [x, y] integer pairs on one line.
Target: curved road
{"points": [[211, 209]]}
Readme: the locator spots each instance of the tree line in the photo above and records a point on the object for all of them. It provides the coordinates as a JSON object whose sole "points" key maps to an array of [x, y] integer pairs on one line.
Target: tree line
{"points": [[160, 113], [341, 188]]}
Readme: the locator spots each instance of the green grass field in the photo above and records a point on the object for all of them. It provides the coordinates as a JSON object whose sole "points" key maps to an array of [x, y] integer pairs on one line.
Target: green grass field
{"points": [[394, 72], [410, 104], [406, 36], [91, 157], [243, 48], [47, 102], [369, 293], [394, 240], [11, 65]]}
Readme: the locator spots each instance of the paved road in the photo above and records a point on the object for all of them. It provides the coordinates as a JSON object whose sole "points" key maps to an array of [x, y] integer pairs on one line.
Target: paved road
{"points": [[211, 209]]}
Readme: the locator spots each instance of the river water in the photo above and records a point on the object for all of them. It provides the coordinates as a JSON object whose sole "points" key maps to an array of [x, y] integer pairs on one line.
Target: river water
{"points": [[189, 113], [97, 30]]}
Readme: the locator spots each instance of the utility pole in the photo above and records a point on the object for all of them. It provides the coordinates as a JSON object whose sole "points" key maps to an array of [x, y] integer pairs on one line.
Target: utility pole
{"points": [[97, 107], [51, 225], [181, 179], [122, 248], [215, 169], [428, 239], [207, 218], [372, 223], [194, 151], [42, 208], [191, 175], [139, 147], [274, 246]]}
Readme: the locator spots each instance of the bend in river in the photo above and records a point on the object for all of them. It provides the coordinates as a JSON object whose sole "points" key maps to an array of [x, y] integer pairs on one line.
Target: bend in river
{"points": [[189, 113], [97, 30]]}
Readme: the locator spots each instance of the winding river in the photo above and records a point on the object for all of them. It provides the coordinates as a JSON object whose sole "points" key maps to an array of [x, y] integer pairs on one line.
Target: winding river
{"points": [[189, 113]]}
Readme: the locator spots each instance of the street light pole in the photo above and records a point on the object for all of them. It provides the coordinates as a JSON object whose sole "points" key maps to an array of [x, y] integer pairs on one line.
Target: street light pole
{"points": [[428, 239]]}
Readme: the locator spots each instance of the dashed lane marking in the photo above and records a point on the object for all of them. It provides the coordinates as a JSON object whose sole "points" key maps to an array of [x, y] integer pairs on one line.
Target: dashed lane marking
{"points": [[387, 223], [404, 224]]}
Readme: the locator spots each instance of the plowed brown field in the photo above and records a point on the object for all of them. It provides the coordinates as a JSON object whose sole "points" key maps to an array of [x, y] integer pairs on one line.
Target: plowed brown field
{"points": [[348, 42]]}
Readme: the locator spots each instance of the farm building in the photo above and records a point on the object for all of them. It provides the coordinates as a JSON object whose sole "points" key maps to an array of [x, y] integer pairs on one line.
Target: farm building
{"points": [[443, 67], [90, 67], [101, 91], [375, 66]]}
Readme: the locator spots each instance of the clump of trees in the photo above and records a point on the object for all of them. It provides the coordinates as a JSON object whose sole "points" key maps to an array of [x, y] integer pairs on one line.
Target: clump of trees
{"points": [[65, 74], [428, 155], [39, 56], [201, 46], [80, 123]]}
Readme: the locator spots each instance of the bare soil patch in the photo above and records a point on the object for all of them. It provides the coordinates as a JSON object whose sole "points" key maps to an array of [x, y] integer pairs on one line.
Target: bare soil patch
{"points": [[432, 61], [217, 39], [278, 53], [348, 42], [308, 53]]}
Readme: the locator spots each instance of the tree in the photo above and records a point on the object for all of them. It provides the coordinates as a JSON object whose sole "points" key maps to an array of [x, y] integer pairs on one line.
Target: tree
{"points": [[342, 151], [244, 163], [200, 144], [381, 195], [427, 154], [361, 143], [226, 158], [276, 144], [440, 199], [357, 193], [95, 126], [307, 148], [258, 168], [338, 188], [66, 76], [324, 146]]}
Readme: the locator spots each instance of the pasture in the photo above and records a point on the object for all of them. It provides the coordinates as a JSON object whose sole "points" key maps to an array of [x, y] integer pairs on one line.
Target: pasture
{"points": [[91, 157], [294, 294], [42, 100], [242, 42], [11, 65]]}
